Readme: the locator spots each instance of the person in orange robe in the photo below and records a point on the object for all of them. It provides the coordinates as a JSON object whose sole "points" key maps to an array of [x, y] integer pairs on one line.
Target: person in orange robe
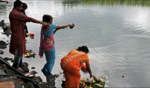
{"points": [[71, 65]]}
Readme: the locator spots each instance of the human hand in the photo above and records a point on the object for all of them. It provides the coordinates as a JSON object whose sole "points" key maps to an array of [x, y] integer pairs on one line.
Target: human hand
{"points": [[94, 77], [71, 26], [45, 24]]}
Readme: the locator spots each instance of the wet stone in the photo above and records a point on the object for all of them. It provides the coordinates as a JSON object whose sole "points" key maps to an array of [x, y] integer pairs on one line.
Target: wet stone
{"points": [[6, 62], [2, 72], [8, 59], [1, 52], [37, 79], [7, 74], [8, 71], [3, 45], [29, 85], [31, 74], [25, 67], [6, 77], [3, 67], [32, 67], [46, 85]]}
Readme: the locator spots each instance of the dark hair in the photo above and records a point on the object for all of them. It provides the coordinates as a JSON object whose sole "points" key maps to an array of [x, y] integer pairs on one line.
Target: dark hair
{"points": [[17, 3], [25, 5], [84, 49], [47, 18]]}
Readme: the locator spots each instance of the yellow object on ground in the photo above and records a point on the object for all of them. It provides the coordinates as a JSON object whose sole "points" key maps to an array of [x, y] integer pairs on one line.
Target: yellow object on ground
{"points": [[29, 53], [87, 83]]}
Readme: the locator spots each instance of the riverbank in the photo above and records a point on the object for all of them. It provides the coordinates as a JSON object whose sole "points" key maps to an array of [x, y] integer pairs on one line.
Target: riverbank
{"points": [[12, 78]]}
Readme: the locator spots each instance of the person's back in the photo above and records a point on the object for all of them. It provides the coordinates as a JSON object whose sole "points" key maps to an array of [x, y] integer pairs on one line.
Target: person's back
{"points": [[71, 65], [74, 58]]}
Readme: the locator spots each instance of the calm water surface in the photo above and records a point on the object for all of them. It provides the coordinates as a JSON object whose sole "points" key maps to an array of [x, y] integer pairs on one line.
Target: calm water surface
{"points": [[118, 37]]}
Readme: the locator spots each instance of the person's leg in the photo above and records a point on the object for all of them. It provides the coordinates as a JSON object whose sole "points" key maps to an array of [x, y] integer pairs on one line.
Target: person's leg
{"points": [[17, 60], [47, 69], [21, 63], [50, 60]]}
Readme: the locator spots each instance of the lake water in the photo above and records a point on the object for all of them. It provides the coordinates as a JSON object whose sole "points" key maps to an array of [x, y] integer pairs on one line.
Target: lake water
{"points": [[118, 37]]}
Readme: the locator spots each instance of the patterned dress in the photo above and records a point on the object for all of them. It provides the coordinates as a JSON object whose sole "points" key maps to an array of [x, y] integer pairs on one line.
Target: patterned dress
{"points": [[47, 47]]}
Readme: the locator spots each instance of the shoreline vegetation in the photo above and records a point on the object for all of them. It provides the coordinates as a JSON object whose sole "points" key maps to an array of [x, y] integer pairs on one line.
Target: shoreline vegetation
{"points": [[107, 2], [71, 3], [97, 2]]}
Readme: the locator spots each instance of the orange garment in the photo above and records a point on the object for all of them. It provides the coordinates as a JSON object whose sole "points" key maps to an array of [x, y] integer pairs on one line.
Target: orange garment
{"points": [[71, 65]]}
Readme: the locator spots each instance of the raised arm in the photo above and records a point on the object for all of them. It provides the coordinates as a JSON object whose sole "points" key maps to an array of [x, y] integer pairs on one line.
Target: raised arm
{"points": [[39, 22], [63, 27]]}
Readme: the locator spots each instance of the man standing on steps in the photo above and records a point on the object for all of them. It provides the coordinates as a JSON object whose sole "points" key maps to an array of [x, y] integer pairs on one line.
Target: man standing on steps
{"points": [[17, 41]]}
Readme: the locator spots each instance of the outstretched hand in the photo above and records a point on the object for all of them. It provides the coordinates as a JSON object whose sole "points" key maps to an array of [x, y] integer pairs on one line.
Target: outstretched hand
{"points": [[72, 26]]}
